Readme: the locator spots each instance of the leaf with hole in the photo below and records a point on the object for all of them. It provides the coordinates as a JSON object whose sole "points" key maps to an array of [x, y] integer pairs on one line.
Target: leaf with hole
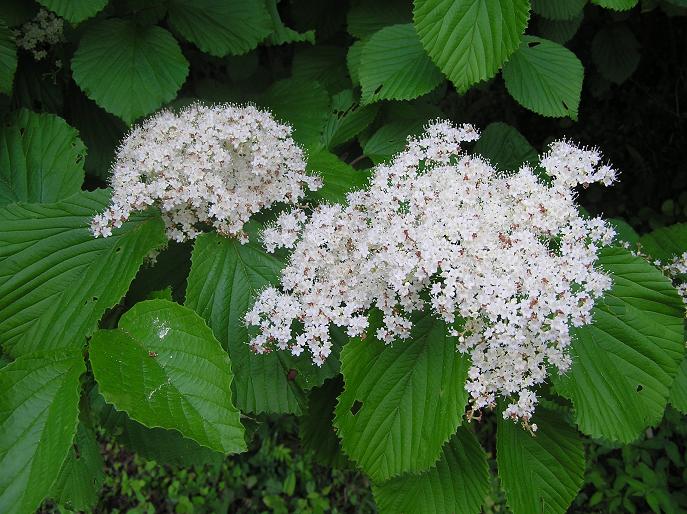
{"points": [[625, 362], [401, 402], [545, 77]]}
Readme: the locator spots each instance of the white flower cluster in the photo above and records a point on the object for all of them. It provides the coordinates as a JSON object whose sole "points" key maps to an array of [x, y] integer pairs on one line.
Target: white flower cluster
{"points": [[505, 260], [677, 271], [38, 34], [205, 166]]}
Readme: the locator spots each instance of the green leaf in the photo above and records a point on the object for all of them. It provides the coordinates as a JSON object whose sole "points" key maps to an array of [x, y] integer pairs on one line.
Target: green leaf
{"points": [[394, 66], [558, 9], [347, 119], [623, 231], [458, 483], [665, 243], [401, 402], [164, 367], [38, 418], [224, 281], [366, 17], [540, 472], [221, 27], [545, 77], [128, 69], [8, 59], [100, 131], [78, 485], [302, 104], [41, 159], [353, 58], [74, 11], [317, 432], [57, 280], [505, 147], [625, 362], [470, 39], [339, 178], [678, 393], [615, 52], [282, 34], [158, 444], [559, 31], [323, 64], [616, 5]]}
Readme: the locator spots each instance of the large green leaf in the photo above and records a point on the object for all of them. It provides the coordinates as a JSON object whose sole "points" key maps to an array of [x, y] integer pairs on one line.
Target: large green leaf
{"points": [[394, 66], [347, 119], [470, 39], [458, 483], [78, 485], [128, 69], [540, 472], [505, 147], [401, 402], [164, 367], [301, 103], [624, 363], [74, 11], [221, 27], [339, 178], [224, 281], [558, 9], [323, 64], [57, 280], [8, 59], [41, 159], [39, 399], [665, 243], [317, 433], [365, 17], [559, 31], [545, 77], [615, 52]]}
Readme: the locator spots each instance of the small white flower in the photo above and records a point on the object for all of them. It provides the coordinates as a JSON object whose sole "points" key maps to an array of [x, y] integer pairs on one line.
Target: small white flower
{"points": [[38, 34]]}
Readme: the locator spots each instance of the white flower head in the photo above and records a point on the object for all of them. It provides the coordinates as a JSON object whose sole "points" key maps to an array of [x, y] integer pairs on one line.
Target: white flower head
{"points": [[212, 166], [506, 260]]}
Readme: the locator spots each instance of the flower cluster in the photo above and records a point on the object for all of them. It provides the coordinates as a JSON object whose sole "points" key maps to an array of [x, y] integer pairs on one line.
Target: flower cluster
{"points": [[38, 34], [505, 260], [205, 166]]}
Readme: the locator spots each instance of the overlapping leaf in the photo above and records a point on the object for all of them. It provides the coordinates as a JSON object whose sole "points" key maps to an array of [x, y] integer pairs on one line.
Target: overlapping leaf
{"points": [[224, 281], [38, 419], [458, 483], [401, 402], [545, 77], [365, 17], [57, 280], [164, 367], [505, 147], [128, 69], [338, 177], [394, 66], [75, 11], [221, 27], [540, 472], [41, 159], [625, 362], [470, 39]]}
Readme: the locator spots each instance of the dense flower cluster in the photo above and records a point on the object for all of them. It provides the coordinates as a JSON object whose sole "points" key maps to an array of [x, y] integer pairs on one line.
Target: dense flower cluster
{"points": [[206, 165], [505, 260], [40, 33]]}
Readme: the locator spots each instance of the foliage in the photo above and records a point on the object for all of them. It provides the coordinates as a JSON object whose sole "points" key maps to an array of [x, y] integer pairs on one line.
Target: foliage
{"points": [[135, 349]]}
